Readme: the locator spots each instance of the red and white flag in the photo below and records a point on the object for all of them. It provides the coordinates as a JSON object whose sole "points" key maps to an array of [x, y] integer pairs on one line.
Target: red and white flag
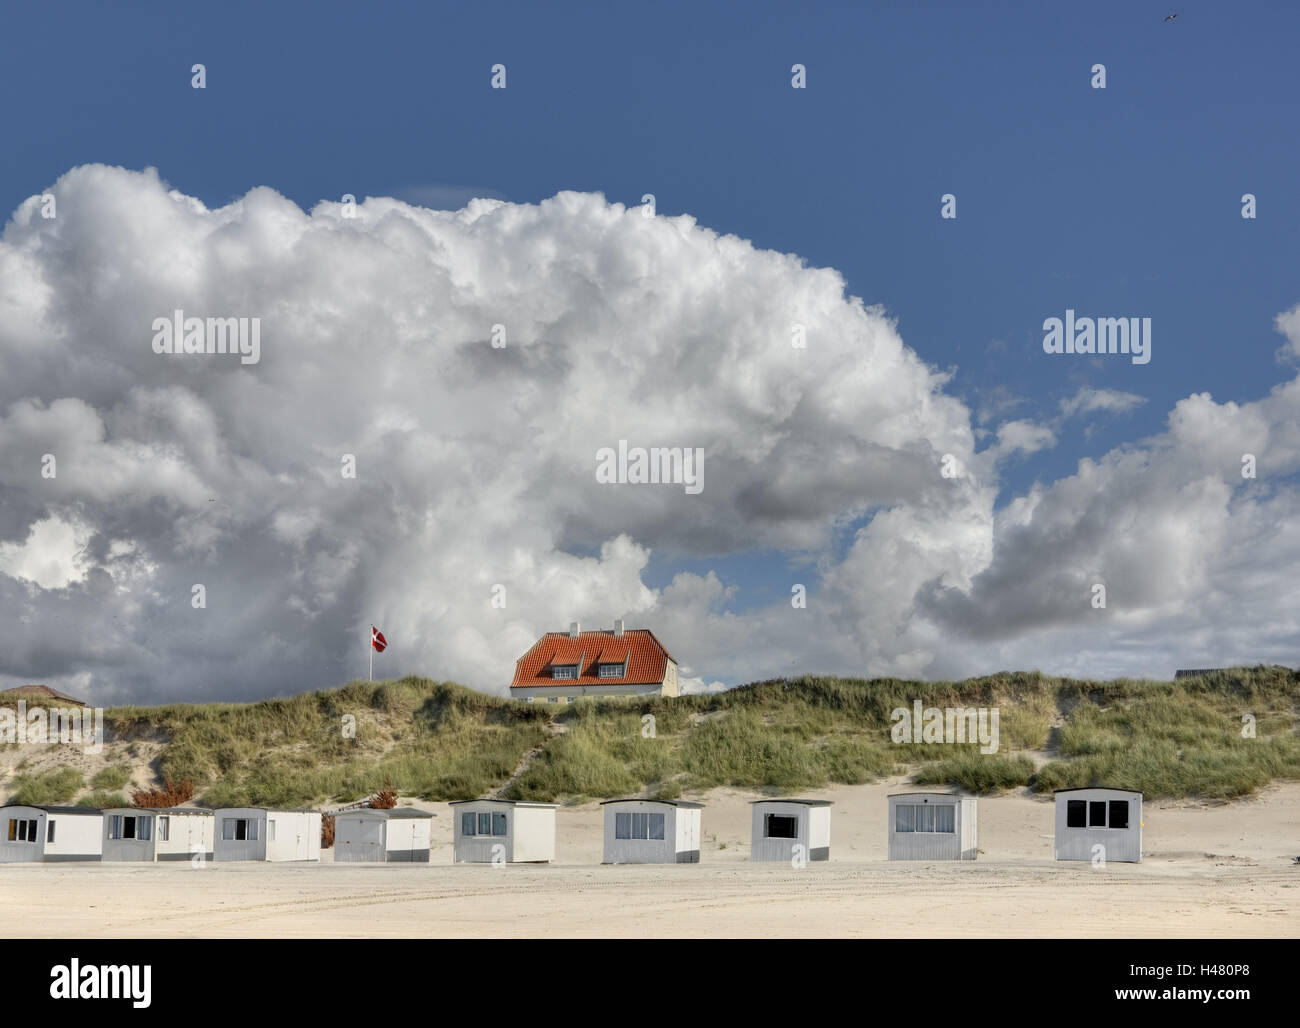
{"points": [[377, 640]]}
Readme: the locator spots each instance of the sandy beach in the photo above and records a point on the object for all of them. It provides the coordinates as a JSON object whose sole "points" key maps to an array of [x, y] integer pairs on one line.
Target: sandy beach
{"points": [[1208, 870]]}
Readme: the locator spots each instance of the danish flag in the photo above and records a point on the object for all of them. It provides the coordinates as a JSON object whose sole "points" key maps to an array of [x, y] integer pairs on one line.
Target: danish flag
{"points": [[377, 640]]}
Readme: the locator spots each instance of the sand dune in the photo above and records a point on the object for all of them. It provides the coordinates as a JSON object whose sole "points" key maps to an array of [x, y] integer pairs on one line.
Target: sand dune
{"points": [[1208, 870]]}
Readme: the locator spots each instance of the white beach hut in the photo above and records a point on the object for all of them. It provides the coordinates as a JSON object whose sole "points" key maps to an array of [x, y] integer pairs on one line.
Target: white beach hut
{"points": [[525, 832], [47, 834], [932, 826], [652, 831], [782, 825], [163, 833], [1107, 818], [367, 835], [257, 833]]}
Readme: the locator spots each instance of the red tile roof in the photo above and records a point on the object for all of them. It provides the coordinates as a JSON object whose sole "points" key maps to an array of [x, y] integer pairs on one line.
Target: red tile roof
{"points": [[647, 660]]}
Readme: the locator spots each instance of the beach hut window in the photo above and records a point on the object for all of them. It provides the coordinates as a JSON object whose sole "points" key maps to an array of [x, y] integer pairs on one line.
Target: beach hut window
{"points": [[622, 826], [144, 828], [270, 831], [128, 828], [1096, 813], [945, 818], [239, 829], [905, 818], [49, 832], [1076, 814], [22, 831], [1119, 813], [164, 828], [781, 826], [115, 826], [656, 826], [485, 823], [13, 830]]}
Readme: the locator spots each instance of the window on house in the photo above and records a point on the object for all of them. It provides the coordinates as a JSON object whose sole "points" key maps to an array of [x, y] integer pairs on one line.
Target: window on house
{"points": [[483, 823], [239, 829], [1096, 813], [27, 831], [164, 828], [781, 826], [905, 817], [1119, 813], [128, 828], [49, 831], [612, 670], [143, 828], [945, 818], [270, 831], [638, 826], [1076, 814], [552, 699], [564, 671]]}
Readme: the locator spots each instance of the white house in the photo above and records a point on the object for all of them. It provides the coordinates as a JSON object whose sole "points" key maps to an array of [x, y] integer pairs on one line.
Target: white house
{"points": [[652, 832], [524, 832], [782, 825], [256, 833], [35, 834], [932, 826], [562, 667], [1107, 818], [164, 833], [369, 835]]}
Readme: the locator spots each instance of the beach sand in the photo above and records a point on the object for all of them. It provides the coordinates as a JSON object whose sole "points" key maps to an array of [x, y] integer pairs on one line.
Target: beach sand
{"points": [[1207, 870]]}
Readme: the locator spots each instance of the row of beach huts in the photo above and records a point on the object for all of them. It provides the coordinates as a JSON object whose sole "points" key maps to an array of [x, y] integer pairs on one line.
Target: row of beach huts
{"points": [[922, 826]]}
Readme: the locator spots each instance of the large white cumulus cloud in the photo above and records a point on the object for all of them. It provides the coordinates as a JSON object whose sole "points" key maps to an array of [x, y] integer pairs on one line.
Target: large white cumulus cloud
{"points": [[475, 464]]}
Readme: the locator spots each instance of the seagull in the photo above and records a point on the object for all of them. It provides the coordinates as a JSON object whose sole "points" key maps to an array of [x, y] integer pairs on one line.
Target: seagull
{"points": [[1171, 17]]}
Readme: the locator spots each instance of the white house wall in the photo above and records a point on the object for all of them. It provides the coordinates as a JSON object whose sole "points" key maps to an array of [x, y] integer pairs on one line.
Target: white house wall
{"points": [[1121, 845], [188, 835], [959, 844], [680, 844], [534, 835], [21, 852], [479, 849], [813, 832]]}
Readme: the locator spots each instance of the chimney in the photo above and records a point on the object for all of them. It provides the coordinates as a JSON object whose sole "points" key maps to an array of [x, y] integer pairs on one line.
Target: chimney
{"points": [[618, 628], [574, 628]]}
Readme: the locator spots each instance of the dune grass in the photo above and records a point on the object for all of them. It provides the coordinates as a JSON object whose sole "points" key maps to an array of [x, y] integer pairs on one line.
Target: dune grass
{"points": [[50, 788], [440, 741]]}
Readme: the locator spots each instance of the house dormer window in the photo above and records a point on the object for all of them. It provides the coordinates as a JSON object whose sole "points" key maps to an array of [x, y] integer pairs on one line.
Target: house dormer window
{"points": [[564, 671], [613, 670]]}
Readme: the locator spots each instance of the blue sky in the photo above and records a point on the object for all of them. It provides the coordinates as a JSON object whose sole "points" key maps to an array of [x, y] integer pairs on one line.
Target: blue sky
{"points": [[1120, 201], [1116, 202]]}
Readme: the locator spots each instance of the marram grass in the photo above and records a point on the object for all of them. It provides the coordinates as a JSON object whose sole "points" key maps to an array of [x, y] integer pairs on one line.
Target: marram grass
{"points": [[441, 741]]}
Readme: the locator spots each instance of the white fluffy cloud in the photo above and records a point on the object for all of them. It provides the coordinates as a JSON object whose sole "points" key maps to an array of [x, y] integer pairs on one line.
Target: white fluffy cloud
{"points": [[475, 464]]}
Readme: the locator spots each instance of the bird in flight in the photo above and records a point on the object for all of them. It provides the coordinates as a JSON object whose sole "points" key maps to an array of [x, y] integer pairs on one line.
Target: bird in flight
{"points": [[1171, 17]]}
